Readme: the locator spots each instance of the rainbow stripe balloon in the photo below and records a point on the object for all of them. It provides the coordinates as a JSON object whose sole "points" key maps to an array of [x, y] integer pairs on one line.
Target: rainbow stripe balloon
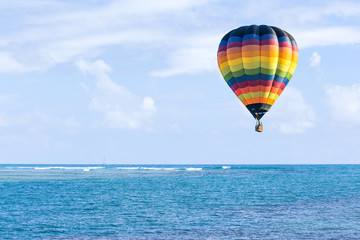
{"points": [[257, 62]]}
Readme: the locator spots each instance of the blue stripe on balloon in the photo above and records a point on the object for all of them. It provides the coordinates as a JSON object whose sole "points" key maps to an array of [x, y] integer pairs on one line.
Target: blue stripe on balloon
{"points": [[223, 43], [255, 77], [284, 39], [251, 36], [234, 39], [286, 81], [268, 36]]}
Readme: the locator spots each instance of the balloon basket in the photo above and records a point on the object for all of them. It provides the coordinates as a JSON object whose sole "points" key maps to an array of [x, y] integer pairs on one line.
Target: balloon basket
{"points": [[258, 128]]}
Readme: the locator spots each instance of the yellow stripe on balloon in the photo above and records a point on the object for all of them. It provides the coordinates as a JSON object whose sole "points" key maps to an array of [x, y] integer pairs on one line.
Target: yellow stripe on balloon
{"points": [[268, 65], [251, 59], [237, 67], [282, 67], [223, 66], [235, 62], [252, 65], [269, 59], [226, 71]]}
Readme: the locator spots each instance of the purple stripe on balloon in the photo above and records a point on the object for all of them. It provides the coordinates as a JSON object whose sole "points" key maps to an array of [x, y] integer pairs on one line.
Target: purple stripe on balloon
{"points": [[257, 42], [278, 85], [265, 83], [247, 83], [234, 87], [254, 83], [269, 42], [250, 42], [285, 44], [222, 48], [234, 44]]}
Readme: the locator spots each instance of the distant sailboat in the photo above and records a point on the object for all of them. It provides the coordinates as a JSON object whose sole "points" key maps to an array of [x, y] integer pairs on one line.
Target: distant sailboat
{"points": [[104, 162]]}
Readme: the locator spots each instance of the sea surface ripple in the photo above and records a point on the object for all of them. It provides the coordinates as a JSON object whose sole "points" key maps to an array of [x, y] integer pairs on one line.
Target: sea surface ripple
{"points": [[91, 202]]}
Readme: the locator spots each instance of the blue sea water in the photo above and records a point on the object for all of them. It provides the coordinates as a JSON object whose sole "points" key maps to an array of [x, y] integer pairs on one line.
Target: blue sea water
{"points": [[179, 202]]}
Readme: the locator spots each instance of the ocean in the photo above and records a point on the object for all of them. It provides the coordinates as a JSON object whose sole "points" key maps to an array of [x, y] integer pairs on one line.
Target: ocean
{"points": [[91, 202]]}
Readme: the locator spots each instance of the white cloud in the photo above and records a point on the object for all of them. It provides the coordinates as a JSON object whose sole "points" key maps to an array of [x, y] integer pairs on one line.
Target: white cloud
{"points": [[192, 59], [315, 60], [295, 14], [8, 98], [38, 122], [65, 34], [7, 120], [319, 11], [8, 64], [6, 4], [98, 68], [36, 130], [314, 24], [148, 104], [194, 53], [344, 102], [120, 107], [327, 36], [50, 121], [291, 114], [13, 116], [187, 32], [298, 20]]}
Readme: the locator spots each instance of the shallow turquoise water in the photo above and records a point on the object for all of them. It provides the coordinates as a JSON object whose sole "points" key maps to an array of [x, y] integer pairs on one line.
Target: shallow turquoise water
{"points": [[179, 202]]}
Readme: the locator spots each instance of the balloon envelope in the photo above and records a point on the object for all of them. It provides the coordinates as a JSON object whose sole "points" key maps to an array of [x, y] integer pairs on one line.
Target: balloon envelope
{"points": [[257, 62]]}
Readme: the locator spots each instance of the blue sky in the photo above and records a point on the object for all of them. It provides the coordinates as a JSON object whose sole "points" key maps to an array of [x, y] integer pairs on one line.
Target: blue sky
{"points": [[136, 82]]}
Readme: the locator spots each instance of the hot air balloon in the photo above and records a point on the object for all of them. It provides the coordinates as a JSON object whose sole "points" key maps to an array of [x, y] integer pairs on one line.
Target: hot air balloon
{"points": [[257, 62]]}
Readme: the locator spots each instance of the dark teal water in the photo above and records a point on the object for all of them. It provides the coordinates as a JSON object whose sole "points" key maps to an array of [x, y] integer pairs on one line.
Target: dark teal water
{"points": [[179, 202]]}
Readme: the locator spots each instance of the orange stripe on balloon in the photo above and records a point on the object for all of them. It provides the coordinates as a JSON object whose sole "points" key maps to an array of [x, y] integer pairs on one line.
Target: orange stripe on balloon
{"points": [[234, 56], [250, 48], [255, 89], [274, 48], [222, 60], [222, 54], [233, 50], [265, 89], [270, 101]]}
